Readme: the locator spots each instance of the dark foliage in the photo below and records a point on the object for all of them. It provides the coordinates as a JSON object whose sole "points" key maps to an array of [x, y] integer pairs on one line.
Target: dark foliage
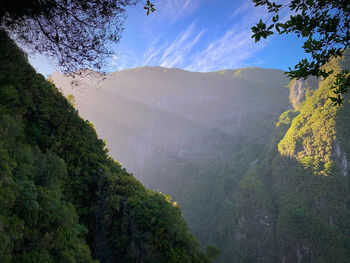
{"points": [[62, 198], [74, 34]]}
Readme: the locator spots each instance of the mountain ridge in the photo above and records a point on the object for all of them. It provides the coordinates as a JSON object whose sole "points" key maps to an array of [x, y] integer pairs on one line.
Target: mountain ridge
{"points": [[188, 133], [251, 159], [165, 69]]}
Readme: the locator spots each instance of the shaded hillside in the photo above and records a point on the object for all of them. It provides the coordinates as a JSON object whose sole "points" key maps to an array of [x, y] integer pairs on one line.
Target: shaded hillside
{"points": [[62, 199], [192, 135], [294, 205]]}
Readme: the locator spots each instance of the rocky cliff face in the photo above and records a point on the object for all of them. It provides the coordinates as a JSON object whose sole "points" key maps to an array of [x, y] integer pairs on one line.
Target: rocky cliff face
{"points": [[300, 89]]}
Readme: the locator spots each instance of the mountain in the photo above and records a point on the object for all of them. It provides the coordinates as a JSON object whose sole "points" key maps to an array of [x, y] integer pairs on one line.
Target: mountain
{"points": [[191, 135], [62, 197], [259, 165], [295, 202]]}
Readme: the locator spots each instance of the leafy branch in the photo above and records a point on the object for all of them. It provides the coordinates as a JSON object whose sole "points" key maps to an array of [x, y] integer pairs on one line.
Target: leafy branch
{"points": [[149, 7], [326, 26]]}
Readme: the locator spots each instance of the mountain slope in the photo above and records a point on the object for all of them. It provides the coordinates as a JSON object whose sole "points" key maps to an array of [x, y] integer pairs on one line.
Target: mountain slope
{"points": [[263, 181], [62, 198], [192, 135], [295, 202]]}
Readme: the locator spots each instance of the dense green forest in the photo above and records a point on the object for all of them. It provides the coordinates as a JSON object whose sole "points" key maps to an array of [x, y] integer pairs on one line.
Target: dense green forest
{"points": [[293, 206], [62, 198]]}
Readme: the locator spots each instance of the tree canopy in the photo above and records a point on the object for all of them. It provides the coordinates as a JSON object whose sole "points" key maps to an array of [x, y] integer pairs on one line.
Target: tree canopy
{"points": [[73, 33], [62, 197], [326, 26]]}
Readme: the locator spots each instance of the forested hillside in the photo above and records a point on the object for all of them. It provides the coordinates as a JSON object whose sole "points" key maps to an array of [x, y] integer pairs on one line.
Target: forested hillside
{"points": [[294, 204], [192, 135], [260, 170], [62, 198]]}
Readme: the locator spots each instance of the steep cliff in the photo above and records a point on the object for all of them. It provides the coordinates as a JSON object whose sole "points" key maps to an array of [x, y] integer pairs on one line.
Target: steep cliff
{"points": [[62, 198], [192, 135], [294, 205]]}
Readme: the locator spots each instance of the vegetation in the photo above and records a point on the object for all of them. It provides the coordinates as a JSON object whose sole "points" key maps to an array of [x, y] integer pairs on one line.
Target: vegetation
{"points": [[325, 24], [74, 34], [62, 199], [71, 100], [265, 185], [300, 191]]}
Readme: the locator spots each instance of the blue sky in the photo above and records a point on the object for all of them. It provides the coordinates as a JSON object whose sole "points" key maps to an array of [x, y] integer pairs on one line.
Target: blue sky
{"points": [[197, 35]]}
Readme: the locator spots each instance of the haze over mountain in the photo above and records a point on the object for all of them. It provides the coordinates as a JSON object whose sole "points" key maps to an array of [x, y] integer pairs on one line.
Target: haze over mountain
{"points": [[191, 135], [140, 111], [257, 165], [260, 170]]}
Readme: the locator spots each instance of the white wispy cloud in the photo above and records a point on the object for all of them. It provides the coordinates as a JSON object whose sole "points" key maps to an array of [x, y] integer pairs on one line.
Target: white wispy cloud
{"points": [[173, 10], [122, 60], [197, 47], [235, 46], [245, 6], [152, 52], [173, 53], [229, 51]]}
